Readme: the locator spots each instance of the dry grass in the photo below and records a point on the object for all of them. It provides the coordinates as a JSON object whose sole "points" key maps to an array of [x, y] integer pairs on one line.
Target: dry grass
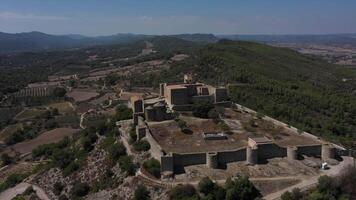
{"points": [[28, 114], [82, 95], [63, 107]]}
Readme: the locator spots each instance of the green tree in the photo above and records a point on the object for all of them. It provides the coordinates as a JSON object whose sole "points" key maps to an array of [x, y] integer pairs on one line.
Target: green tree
{"points": [[242, 189], [206, 185], [153, 167], [59, 92], [296, 194], [5, 159], [201, 109], [126, 164], [141, 193], [80, 189], [116, 151], [183, 192]]}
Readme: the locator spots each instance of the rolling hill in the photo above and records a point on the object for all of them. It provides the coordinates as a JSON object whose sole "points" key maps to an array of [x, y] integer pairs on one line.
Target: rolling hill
{"points": [[302, 90], [37, 41]]}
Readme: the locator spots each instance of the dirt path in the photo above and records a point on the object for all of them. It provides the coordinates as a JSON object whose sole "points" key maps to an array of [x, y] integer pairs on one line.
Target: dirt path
{"points": [[312, 181], [19, 189], [82, 120]]}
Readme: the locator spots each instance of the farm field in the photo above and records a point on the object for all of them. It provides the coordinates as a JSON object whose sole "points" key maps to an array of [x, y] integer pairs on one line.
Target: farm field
{"points": [[63, 107], [9, 130], [80, 95], [48, 137], [30, 113]]}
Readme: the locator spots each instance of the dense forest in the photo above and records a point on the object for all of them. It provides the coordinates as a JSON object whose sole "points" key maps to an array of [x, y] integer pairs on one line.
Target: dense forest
{"points": [[301, 90]]}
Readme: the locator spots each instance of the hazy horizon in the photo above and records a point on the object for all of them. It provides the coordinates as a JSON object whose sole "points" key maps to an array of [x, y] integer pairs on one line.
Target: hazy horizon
{"points": [[192, 33], [158, 17]]}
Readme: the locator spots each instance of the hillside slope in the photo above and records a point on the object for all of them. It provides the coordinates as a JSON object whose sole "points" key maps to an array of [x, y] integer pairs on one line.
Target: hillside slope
{"points": [[304, 91]]}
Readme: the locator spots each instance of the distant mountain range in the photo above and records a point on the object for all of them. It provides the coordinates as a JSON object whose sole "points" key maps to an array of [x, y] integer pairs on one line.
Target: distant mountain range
{"points": [[37, 41]]}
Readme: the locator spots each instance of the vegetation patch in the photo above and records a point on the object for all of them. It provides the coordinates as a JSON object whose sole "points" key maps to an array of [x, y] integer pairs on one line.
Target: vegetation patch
{"points": [[31, 113], [63, 107], [153, 167], [12, 180], [141, 145]]}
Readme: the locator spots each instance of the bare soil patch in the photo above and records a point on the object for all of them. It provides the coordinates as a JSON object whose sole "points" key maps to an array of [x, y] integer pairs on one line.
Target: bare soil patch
{"points": [[271, 186], [80, 95], [103, 98], [179, 57], [172, 139]]}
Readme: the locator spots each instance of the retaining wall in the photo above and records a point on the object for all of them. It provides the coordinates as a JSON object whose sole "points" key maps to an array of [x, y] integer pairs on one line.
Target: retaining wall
{"points": [[314, 150], [189, 159], [225, 157], [268, 151], [155, 149]]}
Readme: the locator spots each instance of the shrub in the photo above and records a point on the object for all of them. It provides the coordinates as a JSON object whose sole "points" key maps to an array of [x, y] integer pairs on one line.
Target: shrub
{"points": [[107, 143], [206, 186], [59, 92], [80, 189], [181, 124], [89, 140], [63, 197], [153, 167], [16, 137], [183, 192], [241, 188], [296, 194], [57, 188], [122, 113], [187, 131], [50, 124], [347, 181], [72, 167], [62, 158], [213, 114], [11, 181], [141, 193], [141, 145], [224, 126], [201, 109], [105, 181], [133, 135], [116, 151], [127, 165], [5, 159]]}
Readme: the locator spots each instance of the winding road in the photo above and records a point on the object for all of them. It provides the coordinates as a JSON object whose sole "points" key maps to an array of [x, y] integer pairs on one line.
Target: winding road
{"points": [[19, 189], [312, 181]]}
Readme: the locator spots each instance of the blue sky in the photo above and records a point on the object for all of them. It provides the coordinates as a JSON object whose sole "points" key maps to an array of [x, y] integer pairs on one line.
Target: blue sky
{"points": [[105, 17]]}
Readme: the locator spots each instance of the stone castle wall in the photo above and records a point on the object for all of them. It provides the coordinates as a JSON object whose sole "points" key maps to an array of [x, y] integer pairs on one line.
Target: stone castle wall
{"points": [[260, 154], [155, 149]]}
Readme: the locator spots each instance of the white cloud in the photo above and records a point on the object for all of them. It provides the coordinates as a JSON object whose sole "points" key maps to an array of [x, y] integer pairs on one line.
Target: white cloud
{"points": [[20, 16]]}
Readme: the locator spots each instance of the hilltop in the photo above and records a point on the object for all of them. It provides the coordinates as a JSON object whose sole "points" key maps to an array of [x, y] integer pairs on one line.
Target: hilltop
{"points": [[302, 90]]}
